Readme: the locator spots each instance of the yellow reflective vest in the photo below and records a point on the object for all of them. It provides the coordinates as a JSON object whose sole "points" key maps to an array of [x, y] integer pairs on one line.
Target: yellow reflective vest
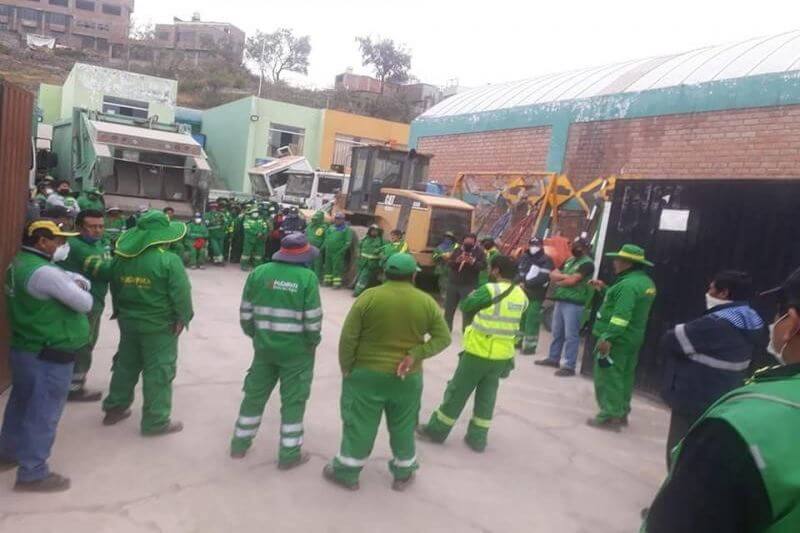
{"points": [[492, 333]]}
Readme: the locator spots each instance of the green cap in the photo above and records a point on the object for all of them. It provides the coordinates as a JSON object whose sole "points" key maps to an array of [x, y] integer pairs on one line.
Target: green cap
{"points": [[401, 264], [632, 253]]}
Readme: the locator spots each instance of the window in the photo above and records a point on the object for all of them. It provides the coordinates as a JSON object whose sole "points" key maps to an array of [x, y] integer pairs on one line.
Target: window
{"points": [[57, 18], [300, 185], [117, 51], [186, 36], [62, 3], [86, 5], [442, 220], [84, 24], [111, 9], [26, 13], [280, 135], [102, 26], [162, 36], [87, 41], [102, 45], [5, 11], [125, 107], [207, 40], [329, 185]]}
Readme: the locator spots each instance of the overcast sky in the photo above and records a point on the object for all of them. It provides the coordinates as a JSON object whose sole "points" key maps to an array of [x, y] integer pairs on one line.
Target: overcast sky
{"points": [[480, 42]]}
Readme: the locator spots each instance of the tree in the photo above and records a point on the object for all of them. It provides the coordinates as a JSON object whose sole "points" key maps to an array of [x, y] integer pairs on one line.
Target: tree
{"points": [[142, 31], [390, 61], [275, 52]]}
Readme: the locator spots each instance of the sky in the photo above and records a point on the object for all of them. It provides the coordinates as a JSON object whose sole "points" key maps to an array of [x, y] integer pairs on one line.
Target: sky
{"points": [[475, 43]]}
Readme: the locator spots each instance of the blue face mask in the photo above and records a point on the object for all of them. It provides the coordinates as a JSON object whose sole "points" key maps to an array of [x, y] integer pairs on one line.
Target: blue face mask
{"points": [[89, 240]]}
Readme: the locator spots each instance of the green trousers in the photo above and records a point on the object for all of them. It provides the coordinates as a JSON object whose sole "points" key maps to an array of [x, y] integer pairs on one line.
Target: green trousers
{"points": [[215, 248], [154, 356], [368, 272], [613, 385], [472, 374], [252, 250], [366, 396], [531, 320], [317, 266], [196, 257], [334, 267], [83, 359], [294, 372], [442, 273]]}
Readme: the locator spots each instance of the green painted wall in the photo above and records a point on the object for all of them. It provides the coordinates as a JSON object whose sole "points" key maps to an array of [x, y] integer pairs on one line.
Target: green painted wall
{"points": [[754, 91], [237, 135], [86, 86], [50, 102], [227, 129]]}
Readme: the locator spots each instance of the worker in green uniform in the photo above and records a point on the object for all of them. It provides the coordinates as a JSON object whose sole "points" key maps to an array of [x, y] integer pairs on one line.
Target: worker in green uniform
{"points": [[91, 199], [491, 250], [89, 257], [736, 469], [152, 302], [381, 359], [237, 238], [315, 232], [441, 258], [63, 197], [177, 247], [231, 216], [114, 226], [620, 329], [397, 245], [281, 312], [338, 239], [255, 234], [488, 356], [196, 242], [215, 221], [369, 260], [535, 267]]}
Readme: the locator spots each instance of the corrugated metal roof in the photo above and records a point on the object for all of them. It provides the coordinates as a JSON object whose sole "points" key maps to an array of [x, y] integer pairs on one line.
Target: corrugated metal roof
{"points": [[762, 55]]}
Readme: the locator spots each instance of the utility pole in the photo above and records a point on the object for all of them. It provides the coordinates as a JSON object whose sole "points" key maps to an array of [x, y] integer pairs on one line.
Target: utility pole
{"points": [[261, 66]]}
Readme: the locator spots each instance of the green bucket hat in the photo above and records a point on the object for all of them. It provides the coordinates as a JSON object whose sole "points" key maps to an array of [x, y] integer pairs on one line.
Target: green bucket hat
{"points": [[401, 264], [152, 228], [632, 253]]}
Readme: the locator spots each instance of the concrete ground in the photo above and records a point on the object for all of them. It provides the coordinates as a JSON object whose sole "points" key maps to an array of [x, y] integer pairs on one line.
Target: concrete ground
{"points": [[544, 470]]}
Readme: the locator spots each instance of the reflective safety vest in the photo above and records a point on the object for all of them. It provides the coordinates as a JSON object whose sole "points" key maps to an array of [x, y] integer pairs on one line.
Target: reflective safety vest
{"points": [[494, 328]]}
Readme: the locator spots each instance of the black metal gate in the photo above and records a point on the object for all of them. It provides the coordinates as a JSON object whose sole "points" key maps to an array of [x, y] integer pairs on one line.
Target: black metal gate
{"points": [[751, 225]]}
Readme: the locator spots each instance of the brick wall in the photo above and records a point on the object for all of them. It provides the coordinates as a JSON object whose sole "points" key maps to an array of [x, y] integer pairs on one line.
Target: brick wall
{"points": [[746, 143], [506, 150]]}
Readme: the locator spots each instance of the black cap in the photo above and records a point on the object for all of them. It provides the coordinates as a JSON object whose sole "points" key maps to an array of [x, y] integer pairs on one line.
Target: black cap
{"points": [[787, 292]]}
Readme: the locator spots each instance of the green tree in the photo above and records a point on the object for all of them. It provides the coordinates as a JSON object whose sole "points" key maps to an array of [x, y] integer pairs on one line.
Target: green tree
{"points": [[390, 61], [274, 53]]}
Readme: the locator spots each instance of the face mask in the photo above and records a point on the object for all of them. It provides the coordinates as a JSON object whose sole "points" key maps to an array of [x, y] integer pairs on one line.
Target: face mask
{"points": [[534, 250], [49, 191], [778, 354], [90, 240], [712, 302], [468, 247], [63, 192], [61, 253], [198, 220]]}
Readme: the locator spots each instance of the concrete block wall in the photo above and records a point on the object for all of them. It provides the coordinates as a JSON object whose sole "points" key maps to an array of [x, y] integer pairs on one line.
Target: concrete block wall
{"points": [[504, 150], [742, 143]]}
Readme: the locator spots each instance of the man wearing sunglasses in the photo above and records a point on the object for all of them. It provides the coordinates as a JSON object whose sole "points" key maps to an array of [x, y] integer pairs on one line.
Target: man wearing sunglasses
{"points": [[737, 469]]}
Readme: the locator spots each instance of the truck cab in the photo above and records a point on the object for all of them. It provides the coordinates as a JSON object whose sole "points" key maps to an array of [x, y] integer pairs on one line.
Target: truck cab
{"points": [[268, 180], [314, 190]]}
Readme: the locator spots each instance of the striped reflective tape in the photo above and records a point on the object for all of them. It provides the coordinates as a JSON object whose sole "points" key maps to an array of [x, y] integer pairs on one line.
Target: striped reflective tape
{"points": [[313, 313], [291, 442], [245, 316], [510, 332], [249, 420], [351, 461], [719, 364], [245, 306], [242, 433], [621, 322], [405, 463], [291, 428], [481, 422], [683, 339], [279, 326], [277, 312], [497, 318], [313, 326], [444, 419]]}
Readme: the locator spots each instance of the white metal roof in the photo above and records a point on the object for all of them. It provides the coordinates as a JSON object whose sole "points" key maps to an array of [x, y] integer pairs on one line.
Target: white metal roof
{"points": [[133, 131], [762, 55]]}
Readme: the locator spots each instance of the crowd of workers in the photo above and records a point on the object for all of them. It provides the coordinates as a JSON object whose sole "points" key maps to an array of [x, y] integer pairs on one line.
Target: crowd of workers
{"points": [[730, 462]]}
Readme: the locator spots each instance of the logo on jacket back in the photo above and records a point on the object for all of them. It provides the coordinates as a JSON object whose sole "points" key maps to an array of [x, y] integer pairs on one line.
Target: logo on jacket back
{"points": [[280, 285]]}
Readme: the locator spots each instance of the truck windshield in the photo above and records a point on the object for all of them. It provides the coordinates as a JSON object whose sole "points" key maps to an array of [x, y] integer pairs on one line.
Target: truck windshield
{"points": [[459, 221], [299, 185], [329, 185]]}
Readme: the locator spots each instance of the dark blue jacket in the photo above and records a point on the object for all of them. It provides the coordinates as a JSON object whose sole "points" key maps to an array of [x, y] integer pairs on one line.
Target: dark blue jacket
{"points": [[536, 287], [710, 356]]}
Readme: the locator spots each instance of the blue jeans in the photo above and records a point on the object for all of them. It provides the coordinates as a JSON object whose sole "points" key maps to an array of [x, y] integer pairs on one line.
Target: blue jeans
{"points": [[38, 393], [566, 333]]}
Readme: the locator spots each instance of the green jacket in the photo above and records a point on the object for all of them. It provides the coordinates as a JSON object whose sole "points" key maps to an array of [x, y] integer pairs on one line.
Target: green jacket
{"points": [[483, 277], [623, 316], [338, 241], [370, 250], [84, 202], [195, 231], [93, 261], [36, 323], [151, 292], [216, 222], [315, 231], [281, 309], [580, 293], [372, 336], [255, 227], [114, 228], [391, 248]]}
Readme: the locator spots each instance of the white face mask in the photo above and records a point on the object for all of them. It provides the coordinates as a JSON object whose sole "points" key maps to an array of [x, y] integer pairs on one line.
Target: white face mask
{"points": [[534, 250], [713, 302], [61, 253], [198, 220], [777, 354]]}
